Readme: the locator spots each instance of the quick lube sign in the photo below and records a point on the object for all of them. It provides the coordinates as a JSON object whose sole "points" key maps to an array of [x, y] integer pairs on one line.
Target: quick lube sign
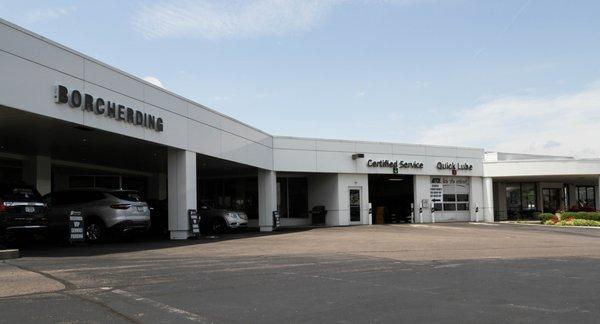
{"points": [[75, 99]]}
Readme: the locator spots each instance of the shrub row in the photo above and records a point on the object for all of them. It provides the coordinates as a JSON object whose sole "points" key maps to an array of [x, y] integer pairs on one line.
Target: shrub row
{"points": [[593, 216], [574, 222], [585, 222], [543, 217]]}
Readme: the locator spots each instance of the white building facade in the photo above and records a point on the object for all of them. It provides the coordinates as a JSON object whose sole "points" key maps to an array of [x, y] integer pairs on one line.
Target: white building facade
{"points": [[67, 120], [525, 185]]}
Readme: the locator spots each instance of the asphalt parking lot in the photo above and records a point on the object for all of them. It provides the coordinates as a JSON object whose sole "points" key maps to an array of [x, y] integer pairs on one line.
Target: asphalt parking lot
{"points": [[417, 273]]}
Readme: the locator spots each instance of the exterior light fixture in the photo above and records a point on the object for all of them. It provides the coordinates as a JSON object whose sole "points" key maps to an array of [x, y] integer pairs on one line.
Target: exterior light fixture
{"points": [[357, 156]]}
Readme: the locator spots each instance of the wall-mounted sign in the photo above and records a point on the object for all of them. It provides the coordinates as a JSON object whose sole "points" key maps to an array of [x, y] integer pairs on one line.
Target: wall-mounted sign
{"points": [[98, 106], [394, 164], [454, 166], [436, 190]]}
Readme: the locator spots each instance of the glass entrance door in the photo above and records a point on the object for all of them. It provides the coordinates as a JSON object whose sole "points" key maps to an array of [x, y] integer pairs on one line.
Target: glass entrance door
{"points": [[355, 205], [551, 199]]}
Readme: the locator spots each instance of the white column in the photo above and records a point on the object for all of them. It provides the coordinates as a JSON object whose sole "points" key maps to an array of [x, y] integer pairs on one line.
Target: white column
{"points": [[182, 191], [267, 199], [488, 200], [422, 190], [38, 173]]}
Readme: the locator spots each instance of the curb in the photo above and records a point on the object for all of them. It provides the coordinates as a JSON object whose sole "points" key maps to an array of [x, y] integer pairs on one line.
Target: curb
{"points": [[9, 254]]}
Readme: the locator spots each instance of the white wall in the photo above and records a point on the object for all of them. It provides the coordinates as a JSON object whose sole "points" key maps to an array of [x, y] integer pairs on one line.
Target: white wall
{"points": [[323, 190], [335, 156], [30, 67]]}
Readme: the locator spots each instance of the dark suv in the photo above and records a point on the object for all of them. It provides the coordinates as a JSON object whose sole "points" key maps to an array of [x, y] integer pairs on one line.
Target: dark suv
{"points": [[21, 209]]}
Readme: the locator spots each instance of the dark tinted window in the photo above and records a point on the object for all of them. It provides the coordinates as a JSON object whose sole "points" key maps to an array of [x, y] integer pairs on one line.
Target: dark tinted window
{"points": [[109, 182], [81, 182], [75, 197], [127, 195], [8, 192]]}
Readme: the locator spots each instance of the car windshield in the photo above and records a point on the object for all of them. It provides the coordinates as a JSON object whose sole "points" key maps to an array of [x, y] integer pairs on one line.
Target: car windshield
{"points": [[19, 193], [127, 195]]}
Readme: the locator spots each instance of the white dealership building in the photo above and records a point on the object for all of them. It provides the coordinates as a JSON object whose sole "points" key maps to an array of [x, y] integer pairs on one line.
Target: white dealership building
{"points": [[68, 121]]}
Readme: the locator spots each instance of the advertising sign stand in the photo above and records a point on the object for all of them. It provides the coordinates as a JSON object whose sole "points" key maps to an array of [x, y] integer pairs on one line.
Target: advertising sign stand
{"points": [[276, 220], [194, 222], [76, 227]]}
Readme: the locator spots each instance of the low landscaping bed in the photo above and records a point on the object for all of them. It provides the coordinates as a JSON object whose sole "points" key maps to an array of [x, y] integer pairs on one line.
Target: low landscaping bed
{"points": [[571, 219]]}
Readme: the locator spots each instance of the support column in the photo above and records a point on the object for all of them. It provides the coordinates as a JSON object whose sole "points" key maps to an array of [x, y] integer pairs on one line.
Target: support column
{"points": [[267, 199], [38, 173], [182, 181], [488, 200], [597, 194]]}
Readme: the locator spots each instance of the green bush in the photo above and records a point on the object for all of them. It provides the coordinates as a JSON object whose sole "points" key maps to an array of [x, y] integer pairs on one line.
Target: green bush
{"points": [[594, 216], [543, 217], [585, 222]]}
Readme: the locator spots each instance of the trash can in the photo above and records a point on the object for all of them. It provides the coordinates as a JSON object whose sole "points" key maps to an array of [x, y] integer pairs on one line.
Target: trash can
{"points": [[318, 215]]}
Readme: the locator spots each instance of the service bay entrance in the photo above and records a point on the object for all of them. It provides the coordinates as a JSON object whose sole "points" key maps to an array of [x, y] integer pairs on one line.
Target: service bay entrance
{"points": [[391, 197]]}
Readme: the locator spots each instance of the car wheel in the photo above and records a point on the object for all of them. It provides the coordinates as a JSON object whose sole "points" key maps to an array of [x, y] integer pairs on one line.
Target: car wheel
{"points": [[219, 226], [94, 231]]}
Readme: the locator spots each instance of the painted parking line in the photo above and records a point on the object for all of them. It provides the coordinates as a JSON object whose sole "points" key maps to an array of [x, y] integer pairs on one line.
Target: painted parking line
{"points": [[160, 306]]}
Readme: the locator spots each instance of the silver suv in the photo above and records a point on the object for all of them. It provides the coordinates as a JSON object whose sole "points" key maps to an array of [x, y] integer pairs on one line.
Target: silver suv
{"points": [[220, 220], [104, 210]]}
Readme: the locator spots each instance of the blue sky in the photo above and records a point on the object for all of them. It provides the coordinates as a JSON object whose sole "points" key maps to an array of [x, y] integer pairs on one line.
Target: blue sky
{"points": [[519, 76]]}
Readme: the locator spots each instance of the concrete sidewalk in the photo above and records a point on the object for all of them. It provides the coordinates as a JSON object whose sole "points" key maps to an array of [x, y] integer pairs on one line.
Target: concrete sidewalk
{"points": [[16, 281]]}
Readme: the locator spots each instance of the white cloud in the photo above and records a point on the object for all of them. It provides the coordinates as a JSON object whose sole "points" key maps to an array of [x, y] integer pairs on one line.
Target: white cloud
{"points": [[423, 84], [226, 19], [154, 81], [566, 124], [46, 14]]}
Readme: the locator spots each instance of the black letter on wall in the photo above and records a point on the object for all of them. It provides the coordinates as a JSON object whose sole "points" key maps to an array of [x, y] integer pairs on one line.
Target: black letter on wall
{"points": [[75, 99], [61, 94], [121, 112], [159, 125], [88, 102], [111, 110], [98, 109], [139, 117]]}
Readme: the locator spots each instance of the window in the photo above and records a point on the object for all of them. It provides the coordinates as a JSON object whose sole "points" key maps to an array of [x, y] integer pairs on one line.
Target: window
{"points": [[454, 193], [81, 182], [127, 195], [521, 199], [292, 197], [108, 182], [95, 181], [586, 197]]}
